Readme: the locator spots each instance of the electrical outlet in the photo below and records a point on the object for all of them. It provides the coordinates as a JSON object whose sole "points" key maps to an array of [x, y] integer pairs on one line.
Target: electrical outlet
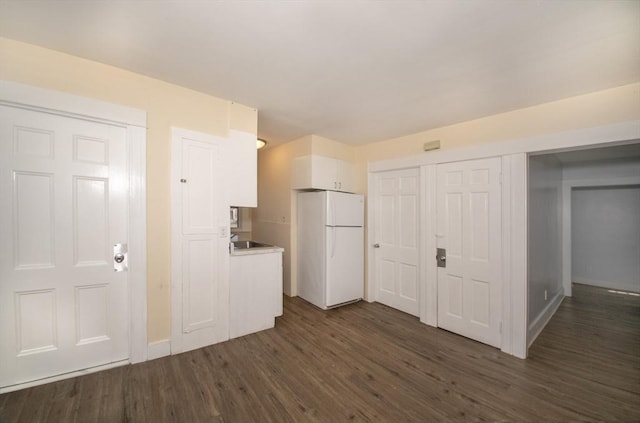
{"points": [[224, 232]]}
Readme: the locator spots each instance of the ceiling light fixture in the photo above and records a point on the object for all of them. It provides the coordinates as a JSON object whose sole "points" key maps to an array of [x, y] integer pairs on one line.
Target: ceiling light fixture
{"points": [[260, 144]]}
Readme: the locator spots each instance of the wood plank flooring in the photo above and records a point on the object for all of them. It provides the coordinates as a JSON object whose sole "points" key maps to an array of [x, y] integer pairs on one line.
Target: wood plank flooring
{"points": [[369, 363]]}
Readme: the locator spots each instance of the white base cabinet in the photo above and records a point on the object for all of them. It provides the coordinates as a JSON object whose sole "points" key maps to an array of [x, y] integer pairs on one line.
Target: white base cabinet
{"points": [[255, 291]]}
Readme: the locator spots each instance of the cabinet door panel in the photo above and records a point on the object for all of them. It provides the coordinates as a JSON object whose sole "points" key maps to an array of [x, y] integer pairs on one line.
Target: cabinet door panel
{"points": [[345, 176], [323, 173], [242, 159]]}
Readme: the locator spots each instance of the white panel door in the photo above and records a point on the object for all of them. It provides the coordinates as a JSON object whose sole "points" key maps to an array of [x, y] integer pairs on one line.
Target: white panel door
{"points": [[201, 292], [397, 203], [64, 189], [469, 228]]}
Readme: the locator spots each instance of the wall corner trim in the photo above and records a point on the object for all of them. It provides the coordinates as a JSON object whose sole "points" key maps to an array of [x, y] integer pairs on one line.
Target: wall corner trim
{"points": [[158, 349], [535, 328]]}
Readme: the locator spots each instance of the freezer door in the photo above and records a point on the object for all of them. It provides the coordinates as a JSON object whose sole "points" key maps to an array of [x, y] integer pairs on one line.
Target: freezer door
{"points": [[344, 264], [344, 209]]}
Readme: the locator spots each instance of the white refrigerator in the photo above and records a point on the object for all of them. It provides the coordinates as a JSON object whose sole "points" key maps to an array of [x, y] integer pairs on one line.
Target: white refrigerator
{"points": [[330, 248]]}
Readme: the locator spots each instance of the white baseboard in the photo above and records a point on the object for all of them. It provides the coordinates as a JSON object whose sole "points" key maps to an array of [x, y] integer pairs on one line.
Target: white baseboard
{"points": [[158, 349], [63, 376], [620, 286], [543, 318]]}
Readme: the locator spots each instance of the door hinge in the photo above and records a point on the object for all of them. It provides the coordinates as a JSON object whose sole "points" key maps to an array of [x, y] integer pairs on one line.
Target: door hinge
{"points": [[500, 327], [500, 178]]}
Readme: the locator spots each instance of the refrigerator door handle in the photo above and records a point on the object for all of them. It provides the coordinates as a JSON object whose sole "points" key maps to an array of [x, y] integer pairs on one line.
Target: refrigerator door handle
{"points": [[333, 210], [333, 242]]}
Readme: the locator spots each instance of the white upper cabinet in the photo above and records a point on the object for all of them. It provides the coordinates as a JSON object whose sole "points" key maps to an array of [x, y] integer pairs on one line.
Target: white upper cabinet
{"points": [[242, 170], [241, 156], [318, 172]]}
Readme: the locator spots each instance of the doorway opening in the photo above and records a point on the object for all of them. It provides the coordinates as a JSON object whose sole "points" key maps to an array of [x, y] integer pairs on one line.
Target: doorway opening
{"points": [[583, 226]]}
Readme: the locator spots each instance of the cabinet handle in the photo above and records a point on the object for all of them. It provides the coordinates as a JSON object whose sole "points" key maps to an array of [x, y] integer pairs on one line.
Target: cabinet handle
{"points": [[340, 185], [335, 185]]}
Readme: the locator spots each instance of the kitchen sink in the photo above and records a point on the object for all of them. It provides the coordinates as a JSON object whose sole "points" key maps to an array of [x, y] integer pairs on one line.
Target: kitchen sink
{"points": [[243, 245]]}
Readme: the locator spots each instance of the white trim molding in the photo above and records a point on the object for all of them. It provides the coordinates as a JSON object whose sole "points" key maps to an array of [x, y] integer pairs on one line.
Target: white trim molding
{"points": [[64, 376], [44, 100], [370, 292], [428, 267], [138, 243], [535, 328], [618, 133], [158, 349]]}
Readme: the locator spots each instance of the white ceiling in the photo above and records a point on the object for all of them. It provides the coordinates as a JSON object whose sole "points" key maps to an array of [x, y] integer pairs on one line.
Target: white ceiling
{"points": [[352, 71]]}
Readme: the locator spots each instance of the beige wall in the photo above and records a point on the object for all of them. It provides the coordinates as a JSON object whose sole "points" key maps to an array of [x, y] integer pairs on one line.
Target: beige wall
{"points": [[272, 220], [334, 149], [585, 111], [166, 105]]}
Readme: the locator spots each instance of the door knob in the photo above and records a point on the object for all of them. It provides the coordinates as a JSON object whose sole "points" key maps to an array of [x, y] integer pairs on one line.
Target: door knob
{"points": [[120, 257], [441, 257], [376, 245]]}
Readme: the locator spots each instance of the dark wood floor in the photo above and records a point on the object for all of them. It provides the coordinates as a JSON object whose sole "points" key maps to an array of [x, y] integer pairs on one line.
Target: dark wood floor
{"points": [[367, 362]]}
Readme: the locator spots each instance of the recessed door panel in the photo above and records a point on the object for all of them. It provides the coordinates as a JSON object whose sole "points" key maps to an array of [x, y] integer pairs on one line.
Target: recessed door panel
{"points": [[408, 282], [386, 224], [199, 283], [33, 220], [452, 296], [91, 221], [90, 150], [36, 321], [408, 209], [386, 273], [200, 188], [453, 209], [33, 142], [92, 313]]}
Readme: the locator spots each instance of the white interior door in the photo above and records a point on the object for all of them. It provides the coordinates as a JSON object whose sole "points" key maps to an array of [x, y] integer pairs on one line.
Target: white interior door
{"points": [[64, 189], [397, 203], [200, 242], [469, 228]]}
